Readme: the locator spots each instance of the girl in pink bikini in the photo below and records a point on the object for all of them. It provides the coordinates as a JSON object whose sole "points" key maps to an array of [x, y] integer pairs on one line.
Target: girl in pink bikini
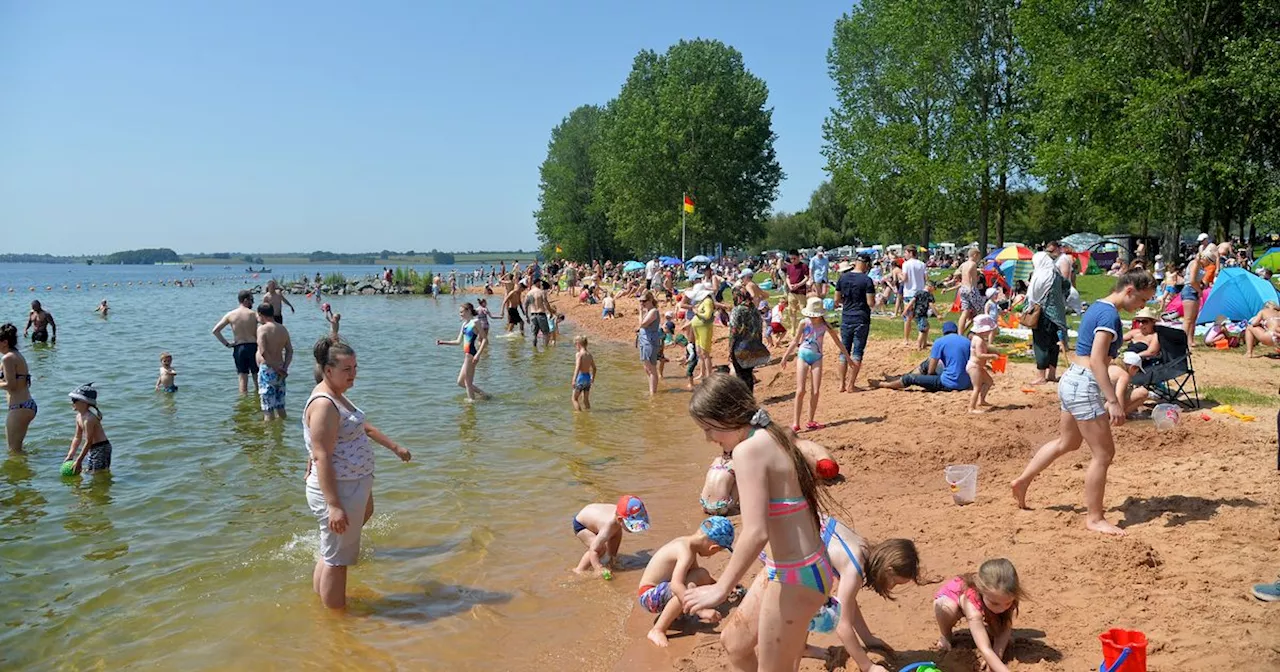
{"points": [[988, 600]]}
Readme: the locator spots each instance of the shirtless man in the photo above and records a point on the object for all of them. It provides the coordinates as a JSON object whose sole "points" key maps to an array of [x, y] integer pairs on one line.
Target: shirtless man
{"points": [[275, 353], [971, 297], [275, 297], [511, 306], [538, 307], [1263, 328], [748, 285], [244, 329], [41, 319]]}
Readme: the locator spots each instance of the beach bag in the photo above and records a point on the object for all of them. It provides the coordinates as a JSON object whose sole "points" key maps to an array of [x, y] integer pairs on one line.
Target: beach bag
{"points": [[1030, 317], [751, 354]]}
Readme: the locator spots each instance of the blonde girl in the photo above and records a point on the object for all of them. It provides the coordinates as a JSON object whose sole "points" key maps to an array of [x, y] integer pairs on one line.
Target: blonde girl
{"points": [[779, 499], [808, 349], [988, 600]]}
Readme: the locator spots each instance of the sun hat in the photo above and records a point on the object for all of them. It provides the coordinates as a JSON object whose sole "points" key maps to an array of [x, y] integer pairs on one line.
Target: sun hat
{"points": [[992, 291], [85, 393], [845, 266], [1146, 314], [813, 308], [633, 514], [720, 531], [1132, 359], [949, 327], [983, 323], [746, 273]]}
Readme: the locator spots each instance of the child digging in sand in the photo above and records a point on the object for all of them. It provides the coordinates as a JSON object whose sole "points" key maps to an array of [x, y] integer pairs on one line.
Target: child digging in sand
{"points": [[674, 568], [600, 526], [584, 373], [979, 355], [988, 600]]}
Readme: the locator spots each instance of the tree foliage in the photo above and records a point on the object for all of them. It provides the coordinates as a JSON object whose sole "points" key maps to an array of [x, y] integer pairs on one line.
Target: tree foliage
{"points": [[568, 214], [152, 255]]}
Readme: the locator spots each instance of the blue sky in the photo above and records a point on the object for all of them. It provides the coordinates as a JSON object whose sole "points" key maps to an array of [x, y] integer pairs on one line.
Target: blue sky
{"points": [[243, 125]]}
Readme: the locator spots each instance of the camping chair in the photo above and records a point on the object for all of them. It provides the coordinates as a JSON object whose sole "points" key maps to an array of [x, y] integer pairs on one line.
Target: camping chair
{"points": [[1168, 375]]}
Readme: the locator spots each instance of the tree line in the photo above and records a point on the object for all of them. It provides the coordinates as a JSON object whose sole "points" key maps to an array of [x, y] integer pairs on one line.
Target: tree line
{"points": [[985, 120]]}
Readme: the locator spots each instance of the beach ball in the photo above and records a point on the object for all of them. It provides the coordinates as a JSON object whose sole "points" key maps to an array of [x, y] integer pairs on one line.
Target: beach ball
{"points": [[69, 468]]}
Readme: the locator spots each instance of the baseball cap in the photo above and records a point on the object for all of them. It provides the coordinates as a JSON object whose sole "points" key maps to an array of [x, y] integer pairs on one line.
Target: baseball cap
{"points": [[949, 327], [633, 514], [720, 531], [1202, 237], [1132, 359]]}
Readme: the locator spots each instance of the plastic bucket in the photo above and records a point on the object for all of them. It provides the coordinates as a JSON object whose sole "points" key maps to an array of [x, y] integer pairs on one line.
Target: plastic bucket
{"points": [[1166, 416], [963, 479], [999, 364], [1115, 641]]}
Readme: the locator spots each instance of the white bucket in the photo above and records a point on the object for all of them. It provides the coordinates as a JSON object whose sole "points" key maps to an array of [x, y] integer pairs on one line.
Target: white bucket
{"points": [[963, 479], [1166, 416]]}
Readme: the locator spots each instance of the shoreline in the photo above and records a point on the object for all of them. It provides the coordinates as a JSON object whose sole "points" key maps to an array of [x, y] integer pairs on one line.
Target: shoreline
{"points": [[1181, 505]]}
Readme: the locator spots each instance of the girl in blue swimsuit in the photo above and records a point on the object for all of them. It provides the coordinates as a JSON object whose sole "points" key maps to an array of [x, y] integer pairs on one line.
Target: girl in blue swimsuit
{"points": [[808, 348], [15, 380], [472, 347]]}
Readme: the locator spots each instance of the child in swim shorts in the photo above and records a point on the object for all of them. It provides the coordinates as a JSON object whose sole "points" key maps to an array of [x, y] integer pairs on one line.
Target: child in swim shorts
{"points": [[165, 382], [674, 566], [599, 527], [584, 373], [90, 438]]}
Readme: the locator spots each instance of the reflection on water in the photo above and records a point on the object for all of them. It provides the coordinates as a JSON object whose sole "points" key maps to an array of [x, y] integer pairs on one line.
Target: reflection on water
{"points": [[196, 550]]}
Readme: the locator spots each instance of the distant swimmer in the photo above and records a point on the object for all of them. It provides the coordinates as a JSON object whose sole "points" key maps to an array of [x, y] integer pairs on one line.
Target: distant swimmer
{"points": [[275, 296], [39, 323], [244, 329], [103, 308], [275, 354]]}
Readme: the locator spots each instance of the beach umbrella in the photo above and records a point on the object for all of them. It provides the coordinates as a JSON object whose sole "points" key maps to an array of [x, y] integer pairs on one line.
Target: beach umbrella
{"points": [[1011, 252], [1269, 260], [669, 261], [700, 259], [632, 266]]}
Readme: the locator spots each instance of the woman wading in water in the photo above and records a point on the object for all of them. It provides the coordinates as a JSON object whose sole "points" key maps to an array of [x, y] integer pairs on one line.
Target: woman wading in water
{"points": [[15, 379], [340, 470], [779, 498]]}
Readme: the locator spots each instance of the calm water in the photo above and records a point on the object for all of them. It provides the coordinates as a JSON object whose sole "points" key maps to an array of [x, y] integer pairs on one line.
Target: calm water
{"points": [[196, 551]]}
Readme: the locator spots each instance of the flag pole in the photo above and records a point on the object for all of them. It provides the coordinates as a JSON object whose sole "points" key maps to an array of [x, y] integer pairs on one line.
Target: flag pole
{"points": [[683, 196]]}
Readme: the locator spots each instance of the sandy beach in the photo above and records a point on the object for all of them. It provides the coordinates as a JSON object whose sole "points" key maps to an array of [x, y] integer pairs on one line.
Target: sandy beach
{"points": [[1199, 503]]}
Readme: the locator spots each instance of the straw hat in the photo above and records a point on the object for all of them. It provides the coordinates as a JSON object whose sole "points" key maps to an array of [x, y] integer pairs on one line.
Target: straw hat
{"points": [[845, 266], [1146, 314], [813, 308]]}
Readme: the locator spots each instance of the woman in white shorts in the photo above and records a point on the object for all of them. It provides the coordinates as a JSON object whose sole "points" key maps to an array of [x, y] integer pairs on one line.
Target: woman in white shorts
{"points": [[1089, 409], [340, 471]]}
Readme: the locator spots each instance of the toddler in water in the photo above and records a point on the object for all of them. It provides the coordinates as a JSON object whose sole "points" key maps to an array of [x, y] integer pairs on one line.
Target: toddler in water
{"points": [[90, 437], [979, 354], [584, 372], [720, 490], [989, 601], [165, 382], [674, 568], [600, 526], [334, 319]]}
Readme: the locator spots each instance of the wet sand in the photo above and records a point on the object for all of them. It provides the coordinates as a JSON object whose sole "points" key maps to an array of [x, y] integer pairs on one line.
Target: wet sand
{"points": [[1199, 502]]}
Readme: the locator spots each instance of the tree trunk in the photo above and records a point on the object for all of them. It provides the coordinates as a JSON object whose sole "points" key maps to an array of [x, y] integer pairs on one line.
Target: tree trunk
{"points": [[924, 233], [1003, 204], [984, 208]]}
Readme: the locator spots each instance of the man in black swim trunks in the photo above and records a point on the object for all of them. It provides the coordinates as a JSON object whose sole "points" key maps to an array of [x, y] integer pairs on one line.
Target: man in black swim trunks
{"points": [[513, 304], [41, 319], [244, 328]]}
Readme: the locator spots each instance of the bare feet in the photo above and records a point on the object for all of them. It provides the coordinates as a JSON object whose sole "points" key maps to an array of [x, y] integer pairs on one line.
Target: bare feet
{"points": [[875, 384], [1020, 493], [977, 410], [943, 644], [854, 388], [709, 616], [658, 638], [1039, 381], [1106, 528]]}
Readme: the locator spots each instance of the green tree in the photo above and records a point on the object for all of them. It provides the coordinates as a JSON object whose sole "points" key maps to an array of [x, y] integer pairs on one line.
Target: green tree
{"points": [[693, 120], [568, 214], [889, 140]]}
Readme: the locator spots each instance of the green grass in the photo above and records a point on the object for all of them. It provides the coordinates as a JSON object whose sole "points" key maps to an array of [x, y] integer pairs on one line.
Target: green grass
{"points": [[1238, 396]]}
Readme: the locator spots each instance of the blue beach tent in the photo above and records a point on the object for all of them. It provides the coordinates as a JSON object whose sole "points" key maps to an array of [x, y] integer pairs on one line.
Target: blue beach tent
{"points": [[1237, 294]]}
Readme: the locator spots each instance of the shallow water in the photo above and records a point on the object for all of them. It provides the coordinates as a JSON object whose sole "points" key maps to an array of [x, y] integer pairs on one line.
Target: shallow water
{"points": [[196, 551]]}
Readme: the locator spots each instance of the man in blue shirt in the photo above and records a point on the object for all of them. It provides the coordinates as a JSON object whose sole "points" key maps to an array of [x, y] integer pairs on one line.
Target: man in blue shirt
{"points": [[945, 370], [818, 267], [855, 291]]}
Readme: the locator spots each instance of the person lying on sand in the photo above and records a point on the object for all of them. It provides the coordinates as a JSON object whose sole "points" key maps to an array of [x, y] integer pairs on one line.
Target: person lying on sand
{"points": [[600, 526], [674, 569]]}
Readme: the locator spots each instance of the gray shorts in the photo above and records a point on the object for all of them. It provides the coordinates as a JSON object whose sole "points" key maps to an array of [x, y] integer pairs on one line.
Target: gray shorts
{"points": [[341, 550], [1080, 395], [540, 324]]}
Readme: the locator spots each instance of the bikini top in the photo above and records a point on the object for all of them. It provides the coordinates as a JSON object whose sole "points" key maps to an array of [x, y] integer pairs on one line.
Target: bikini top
{"points": [[786, 506], [20, 376], [828, 532]]}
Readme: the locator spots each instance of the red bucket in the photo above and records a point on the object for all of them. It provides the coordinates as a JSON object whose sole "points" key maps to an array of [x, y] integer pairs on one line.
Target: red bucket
{"points": [[1115, 640]]}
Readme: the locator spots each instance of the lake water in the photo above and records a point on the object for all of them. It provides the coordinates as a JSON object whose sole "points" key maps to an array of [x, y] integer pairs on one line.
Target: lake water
{"points": [[196, 551]]}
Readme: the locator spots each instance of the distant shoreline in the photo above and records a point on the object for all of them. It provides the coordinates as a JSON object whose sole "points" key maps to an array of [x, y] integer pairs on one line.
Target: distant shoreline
{"points": [[459, 258]]}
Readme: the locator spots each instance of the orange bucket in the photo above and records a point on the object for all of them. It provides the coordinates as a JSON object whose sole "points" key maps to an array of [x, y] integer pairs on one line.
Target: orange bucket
{"points": [[1222, 344], [1000, 363], [1115, 641]]}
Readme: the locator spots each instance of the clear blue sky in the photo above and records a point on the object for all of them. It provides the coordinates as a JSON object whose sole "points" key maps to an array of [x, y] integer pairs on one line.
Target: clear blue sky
{"points": [[271, 126]]}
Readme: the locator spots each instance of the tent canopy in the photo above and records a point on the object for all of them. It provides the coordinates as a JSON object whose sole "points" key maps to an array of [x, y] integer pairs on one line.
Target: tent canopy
{"points": [[1269, 259], [1236, 294]]}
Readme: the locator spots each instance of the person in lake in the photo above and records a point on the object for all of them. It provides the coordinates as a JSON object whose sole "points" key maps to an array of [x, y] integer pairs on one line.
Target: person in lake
{"points": [[15, 380], [244, 330], [339, 468], [780, 500], [472, 347], [39, 322], [649, 338]]}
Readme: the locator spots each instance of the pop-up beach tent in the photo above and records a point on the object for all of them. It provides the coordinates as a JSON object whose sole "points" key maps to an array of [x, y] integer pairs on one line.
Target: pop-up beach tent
{"points": [[1237, 294], [1269, 260]]}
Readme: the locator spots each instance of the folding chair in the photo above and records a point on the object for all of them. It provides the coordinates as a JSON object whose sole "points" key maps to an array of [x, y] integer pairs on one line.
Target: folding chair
{"points": [[1168, 376]]}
